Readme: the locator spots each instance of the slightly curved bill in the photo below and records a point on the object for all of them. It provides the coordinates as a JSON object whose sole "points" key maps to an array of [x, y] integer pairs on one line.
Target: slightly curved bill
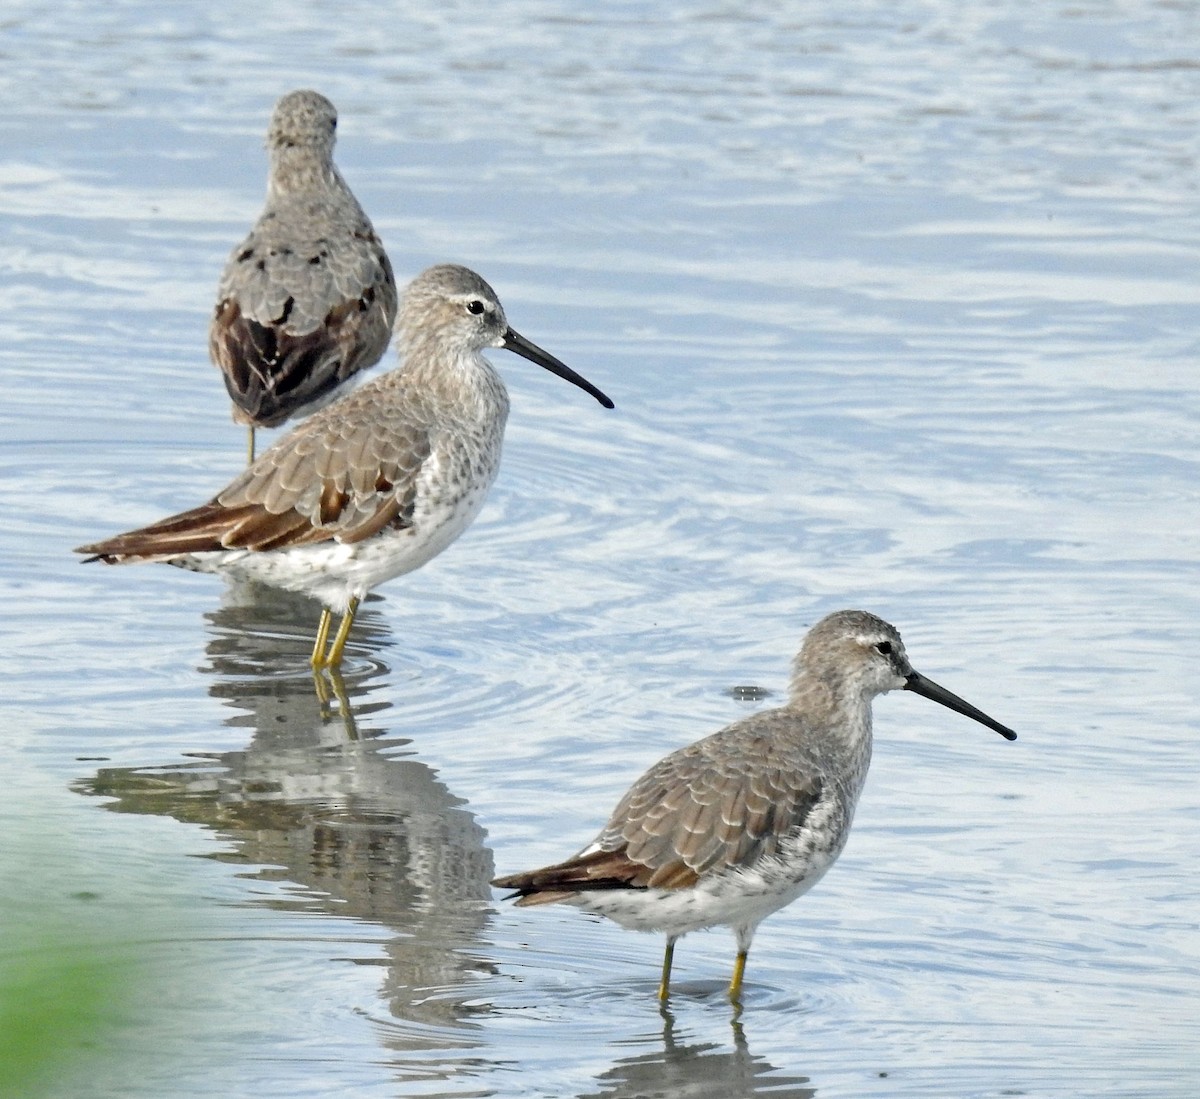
{"points": [[514, 341], [921, 685]]}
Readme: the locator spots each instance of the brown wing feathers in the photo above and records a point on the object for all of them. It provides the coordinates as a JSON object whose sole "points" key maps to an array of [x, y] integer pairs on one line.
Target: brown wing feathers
{"points": [[597, 870], [209, 527], [691, 814], [269, 371], [188, 532], [320, 486]]}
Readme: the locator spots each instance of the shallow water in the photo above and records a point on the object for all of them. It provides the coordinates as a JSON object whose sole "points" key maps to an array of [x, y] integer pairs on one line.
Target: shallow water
{"points": [[898, 306]]}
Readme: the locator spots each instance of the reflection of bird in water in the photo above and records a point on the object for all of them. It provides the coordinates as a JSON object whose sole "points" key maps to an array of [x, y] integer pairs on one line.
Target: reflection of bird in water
{"points": [[257, 633], [733, 827], [373, 486], [700, 1070], [308, 299], [369, 835]]}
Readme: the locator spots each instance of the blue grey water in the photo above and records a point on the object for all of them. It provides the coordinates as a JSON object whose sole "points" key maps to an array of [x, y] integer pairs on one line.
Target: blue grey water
{"points": [[898, 304]]}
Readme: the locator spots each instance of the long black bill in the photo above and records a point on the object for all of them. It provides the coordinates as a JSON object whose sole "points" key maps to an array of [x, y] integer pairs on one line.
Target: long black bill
{"points": [[514, 341], [922, 686]]}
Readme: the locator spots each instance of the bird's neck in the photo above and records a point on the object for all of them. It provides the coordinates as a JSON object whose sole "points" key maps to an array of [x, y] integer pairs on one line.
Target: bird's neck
{"points": [[298, 170], [842, 714], [459, 377]]}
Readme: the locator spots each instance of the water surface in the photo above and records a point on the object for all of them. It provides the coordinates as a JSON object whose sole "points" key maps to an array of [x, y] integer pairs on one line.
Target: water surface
{"points": [[898, 307]]}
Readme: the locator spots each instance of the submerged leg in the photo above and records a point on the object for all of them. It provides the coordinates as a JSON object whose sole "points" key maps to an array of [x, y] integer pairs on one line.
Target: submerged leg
{"points": [[334, 658], [330, 686], [739, 971], [745, 936], [664, 985], [318, 653], [250, 447]]}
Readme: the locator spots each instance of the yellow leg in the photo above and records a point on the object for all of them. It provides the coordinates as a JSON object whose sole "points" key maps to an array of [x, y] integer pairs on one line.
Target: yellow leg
{"points": [[250, 447], [334, 659], [347, 711], [318, 653], [330, 686], [321, 686], [739, 971], [664, 985]]}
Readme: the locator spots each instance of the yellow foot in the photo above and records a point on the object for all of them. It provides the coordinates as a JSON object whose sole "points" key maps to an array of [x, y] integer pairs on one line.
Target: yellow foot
{"points": [[333, 658], [329, 686], [317, 660]]}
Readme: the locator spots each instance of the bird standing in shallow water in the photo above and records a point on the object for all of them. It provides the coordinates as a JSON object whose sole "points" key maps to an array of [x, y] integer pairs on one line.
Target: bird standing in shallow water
{"points": [[308, 299], [735, 826], [372, 486]]}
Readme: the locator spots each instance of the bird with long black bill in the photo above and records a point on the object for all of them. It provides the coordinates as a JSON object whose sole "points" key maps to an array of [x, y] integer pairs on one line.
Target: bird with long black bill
{"points": [[735, 826], [372, 486]]}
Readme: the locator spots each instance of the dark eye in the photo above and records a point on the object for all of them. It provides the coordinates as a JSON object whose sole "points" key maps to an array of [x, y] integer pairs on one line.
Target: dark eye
{"points": [[884, 647], [475, 307]]}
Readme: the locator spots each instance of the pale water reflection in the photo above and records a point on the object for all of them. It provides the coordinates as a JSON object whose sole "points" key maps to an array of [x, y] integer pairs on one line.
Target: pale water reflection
{"points": [[680, 1067], [324, 800]]}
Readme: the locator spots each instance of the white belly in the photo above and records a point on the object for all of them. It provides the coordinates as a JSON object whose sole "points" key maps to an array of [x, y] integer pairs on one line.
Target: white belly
{"points": [[734, 899]]}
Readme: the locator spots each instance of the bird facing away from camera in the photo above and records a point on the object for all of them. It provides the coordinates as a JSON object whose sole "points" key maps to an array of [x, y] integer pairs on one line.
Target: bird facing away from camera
{"points": [[308, 299]]}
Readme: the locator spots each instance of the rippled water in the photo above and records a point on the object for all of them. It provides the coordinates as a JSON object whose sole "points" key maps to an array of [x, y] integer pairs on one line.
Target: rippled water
{"points": [[898, 306]]}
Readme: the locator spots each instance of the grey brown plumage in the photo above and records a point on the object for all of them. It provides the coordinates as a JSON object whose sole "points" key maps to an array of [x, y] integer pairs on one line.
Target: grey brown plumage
{"points": [[308, 299], [343, 476], [693, 812], [741, 823], [375, 485]]}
